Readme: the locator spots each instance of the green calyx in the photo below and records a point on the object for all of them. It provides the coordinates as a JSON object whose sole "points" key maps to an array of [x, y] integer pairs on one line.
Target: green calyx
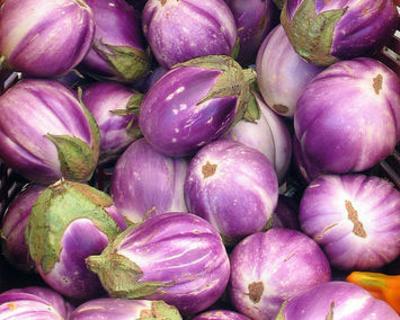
{"points": [[311, 34], [129, 63], [160, 311], [133, 106], [281, 315], [55, 209], [253, 111], [236, 49]]}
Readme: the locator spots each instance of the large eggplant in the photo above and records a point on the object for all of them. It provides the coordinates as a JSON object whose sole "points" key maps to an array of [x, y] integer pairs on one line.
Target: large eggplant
{"points": [[115, 108], [326, 31], [146, 183], [14, 247], [118, 49], [281, 73], [194, 104], [46, 134], [355, 218], [232, 186], [269, 268], [336, 300], [68, 223], [175, 257], [220, 315], [178, 31], [348, 117], [45, 38]]}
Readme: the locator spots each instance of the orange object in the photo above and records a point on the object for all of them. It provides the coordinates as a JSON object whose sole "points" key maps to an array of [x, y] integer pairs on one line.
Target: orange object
{"points": [[381, 286]]}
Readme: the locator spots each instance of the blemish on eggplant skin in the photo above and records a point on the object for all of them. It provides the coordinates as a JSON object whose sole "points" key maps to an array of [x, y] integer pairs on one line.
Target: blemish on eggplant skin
{"points": [[209, 169], [256, 290], [358, 227], [280, 108], [378, 84]]}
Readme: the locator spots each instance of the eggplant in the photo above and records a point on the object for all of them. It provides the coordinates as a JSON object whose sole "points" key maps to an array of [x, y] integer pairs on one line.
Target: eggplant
{"points": [[221, 315]]}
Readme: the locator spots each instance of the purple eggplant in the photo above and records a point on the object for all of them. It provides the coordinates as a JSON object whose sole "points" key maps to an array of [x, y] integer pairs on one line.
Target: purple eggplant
{"points": [[285, 215], [281, 74], [267, 133], [45, 38], [336, 300], [269, 268], [348, 117], [146, 183], [324, 32], [194, 104], [46, 134], [204, 28], [68, 223], [254, 19], [118, 49], [232, 186], [175, 257], [115, 109], [307, 171], [355, 218], [221, 315], [50, 296], [122, 309], [13, 227]]}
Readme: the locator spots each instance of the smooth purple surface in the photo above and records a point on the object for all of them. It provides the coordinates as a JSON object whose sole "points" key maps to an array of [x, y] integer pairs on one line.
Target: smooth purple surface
{"points": [[117, 24], [281, 73], [221, 315], [45, 38], [183, 252], [281, 263], [30, 110], [205, 28], [254, 20], [13, 227], [345, 121], [337, 300], [171, 117], [269, 136], [240, 195], [285, 214], [101, 99], [146, 183], [370, 241]]}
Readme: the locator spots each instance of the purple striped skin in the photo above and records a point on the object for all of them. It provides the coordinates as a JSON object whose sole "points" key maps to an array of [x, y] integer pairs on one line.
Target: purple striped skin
{"points": [[281, 74], [30, 111], [336, 300], [227, 179], [45, 39], [117, 25], [22, 306], [117, 132], [284, 215], [354, 218], [13, 227], [361, 28], [353, 107], [122, 309], [254, 19], [269, 268], [147, 183], [220, 315], [177, 257], [205, 28], [53, 298], [307, 171], [268, 135]]}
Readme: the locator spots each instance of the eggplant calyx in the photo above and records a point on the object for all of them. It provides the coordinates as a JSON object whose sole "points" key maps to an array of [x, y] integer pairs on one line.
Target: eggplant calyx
{"points": [[160, 311], [281, 314]]}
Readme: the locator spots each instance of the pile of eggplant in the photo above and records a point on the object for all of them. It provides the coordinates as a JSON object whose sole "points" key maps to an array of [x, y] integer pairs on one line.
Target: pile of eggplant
{"points": [[239, 136]]}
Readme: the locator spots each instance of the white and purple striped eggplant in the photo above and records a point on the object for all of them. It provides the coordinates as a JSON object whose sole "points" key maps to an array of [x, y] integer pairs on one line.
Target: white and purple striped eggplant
{"points": [[115, 108], [46, 134], [254, 19], [68, 223], [281, 73], [194, 104], [263, 130], [146, 183], [323, 32], [122, 309], [14, 247], [175, 257], [232, 186], [220, 315], [45, 38], [272, 267], [204, 28], [118, 48]]}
